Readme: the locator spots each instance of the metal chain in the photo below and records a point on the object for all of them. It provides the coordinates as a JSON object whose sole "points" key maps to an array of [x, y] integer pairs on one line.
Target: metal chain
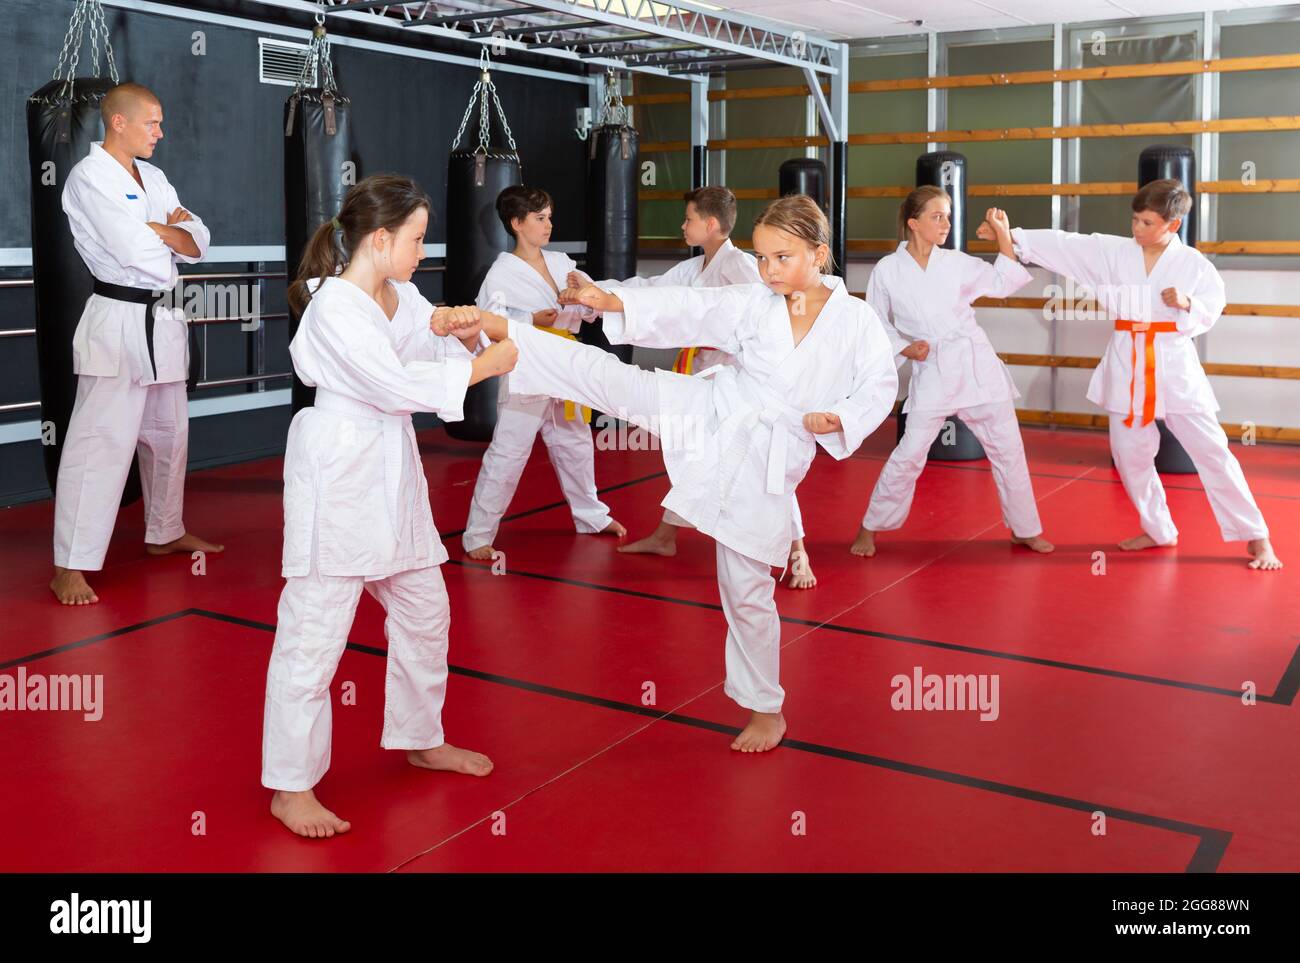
{"points": [[108, 47], [613, 110], [481, 92], [92, 12], [319, 60]]}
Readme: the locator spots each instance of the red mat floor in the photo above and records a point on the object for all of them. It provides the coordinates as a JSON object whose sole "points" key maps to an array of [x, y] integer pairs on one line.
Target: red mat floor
{"points": [[1119, 693]]}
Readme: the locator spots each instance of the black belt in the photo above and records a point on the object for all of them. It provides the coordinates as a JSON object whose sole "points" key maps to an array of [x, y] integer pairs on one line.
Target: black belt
{"points": [[150, 299]]}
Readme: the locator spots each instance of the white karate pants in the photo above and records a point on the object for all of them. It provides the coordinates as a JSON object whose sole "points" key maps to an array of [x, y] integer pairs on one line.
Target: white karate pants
{"points": [[313, 620], [996, 428], [572, 453], [1206, 444], [112, 420], [594, 377]]}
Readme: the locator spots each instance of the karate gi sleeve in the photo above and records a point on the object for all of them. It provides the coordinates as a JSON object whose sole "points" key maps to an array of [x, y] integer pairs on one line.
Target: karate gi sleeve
{"points": [[878, 301], [1001, 279], [346, 357], [875, 388], [1081, 256], [107, 217], [414, 340], [671, 317], [1208, 299], [194, 227]]}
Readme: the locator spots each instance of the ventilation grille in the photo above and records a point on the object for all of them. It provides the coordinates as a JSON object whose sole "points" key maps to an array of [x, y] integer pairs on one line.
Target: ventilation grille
{"points": [[280, 62]]}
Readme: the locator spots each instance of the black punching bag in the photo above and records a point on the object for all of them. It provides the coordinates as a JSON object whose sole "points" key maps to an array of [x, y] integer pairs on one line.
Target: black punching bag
{"points": [[947, 169], [62, 123], [475, 237], [317, 173], [803, 175], [1156, 163], [612, 176]]}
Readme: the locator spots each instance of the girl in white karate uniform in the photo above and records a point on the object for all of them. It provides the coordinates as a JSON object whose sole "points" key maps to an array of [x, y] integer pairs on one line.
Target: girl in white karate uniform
{"points": [[356, 505], [814, 368], [1161, 294], [525, 284], [710, 217], [923, 294]]}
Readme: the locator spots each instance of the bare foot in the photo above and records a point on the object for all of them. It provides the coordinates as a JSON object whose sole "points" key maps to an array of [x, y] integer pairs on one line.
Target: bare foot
{"points": [[1035, 542], [662, 541], [801, 573], [186, 543], [303, 814], [1139, 542], [1265, 560], [615, 529], [764, 731], [69, 587], [864, 544], [450, 759], [484, 553]]}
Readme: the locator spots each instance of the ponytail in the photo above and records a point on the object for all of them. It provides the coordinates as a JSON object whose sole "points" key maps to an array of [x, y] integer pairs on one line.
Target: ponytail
{"points": [[321, 259]]}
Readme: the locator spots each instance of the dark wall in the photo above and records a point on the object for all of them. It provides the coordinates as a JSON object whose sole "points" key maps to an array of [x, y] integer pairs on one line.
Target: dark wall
{"points": [[223, 150]]}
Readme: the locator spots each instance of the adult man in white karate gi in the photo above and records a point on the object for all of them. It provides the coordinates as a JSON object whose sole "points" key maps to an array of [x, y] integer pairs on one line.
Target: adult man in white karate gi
{"points": [[130, 353]]}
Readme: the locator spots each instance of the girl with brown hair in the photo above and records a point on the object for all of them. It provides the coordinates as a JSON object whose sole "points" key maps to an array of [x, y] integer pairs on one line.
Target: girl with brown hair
{"points": [[356, 506]]}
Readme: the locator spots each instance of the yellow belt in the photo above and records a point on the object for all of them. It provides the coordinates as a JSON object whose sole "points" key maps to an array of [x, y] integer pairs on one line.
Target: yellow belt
{"points": [[570, 407]]}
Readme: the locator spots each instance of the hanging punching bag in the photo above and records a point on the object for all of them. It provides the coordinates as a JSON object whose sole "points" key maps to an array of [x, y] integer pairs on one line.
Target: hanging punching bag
{"points": [[1156, 163], [476, 175], [318, 167], [612, 178], [63, 119], [803, 175], [475, 237], [62, 122], [947, 169]]}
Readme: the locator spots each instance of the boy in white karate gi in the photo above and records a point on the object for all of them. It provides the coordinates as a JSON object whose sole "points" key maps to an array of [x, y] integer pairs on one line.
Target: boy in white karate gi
{"points": [[130, 353], [525, 284], [1161, 294]]}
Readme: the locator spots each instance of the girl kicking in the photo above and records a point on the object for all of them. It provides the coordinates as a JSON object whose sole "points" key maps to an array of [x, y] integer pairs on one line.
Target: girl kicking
{"points": [[923, 294], [813, 367], [356, 505]]}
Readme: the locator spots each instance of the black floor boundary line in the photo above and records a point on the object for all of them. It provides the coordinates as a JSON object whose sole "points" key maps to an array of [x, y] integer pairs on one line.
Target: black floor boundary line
{"points": [[1212, 843], [1211, 846], [1284, 695]]}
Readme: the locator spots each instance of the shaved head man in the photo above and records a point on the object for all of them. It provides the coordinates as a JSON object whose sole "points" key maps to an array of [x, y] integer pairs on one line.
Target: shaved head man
{"points": [[130, 352]]}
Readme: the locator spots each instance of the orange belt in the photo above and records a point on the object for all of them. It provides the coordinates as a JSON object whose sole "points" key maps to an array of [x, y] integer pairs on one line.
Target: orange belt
{"points": [[1149, 378], [685, 361], [570, 408]]}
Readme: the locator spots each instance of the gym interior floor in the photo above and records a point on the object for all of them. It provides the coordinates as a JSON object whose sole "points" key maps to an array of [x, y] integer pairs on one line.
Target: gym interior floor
{"points": [[1120, 693]]}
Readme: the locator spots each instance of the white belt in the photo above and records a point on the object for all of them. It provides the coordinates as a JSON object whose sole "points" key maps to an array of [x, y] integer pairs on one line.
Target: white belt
{"points": [[396, 429], [783, 420], [944, 346]]}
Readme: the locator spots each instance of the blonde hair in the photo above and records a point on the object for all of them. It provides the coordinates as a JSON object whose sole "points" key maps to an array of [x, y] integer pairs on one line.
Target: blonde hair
{"points": [[800, 215], [914, 203]]}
